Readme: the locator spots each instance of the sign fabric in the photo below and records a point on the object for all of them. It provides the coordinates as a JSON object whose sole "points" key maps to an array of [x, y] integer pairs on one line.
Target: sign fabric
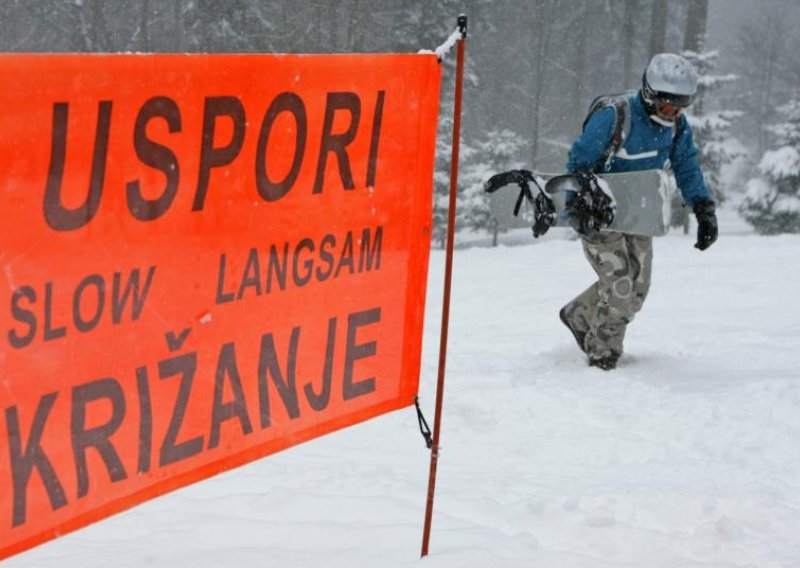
{"points": [[206, 259]]}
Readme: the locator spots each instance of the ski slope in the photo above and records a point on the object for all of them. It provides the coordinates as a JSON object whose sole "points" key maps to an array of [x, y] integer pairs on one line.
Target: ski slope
{"points": [[687, 455]]}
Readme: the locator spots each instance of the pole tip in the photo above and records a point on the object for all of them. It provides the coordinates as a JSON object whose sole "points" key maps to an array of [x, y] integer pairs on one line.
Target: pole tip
{"points": [[462, 24]]}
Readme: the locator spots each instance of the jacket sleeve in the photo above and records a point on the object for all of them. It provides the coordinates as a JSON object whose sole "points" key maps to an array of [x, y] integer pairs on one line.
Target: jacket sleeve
{"points": [[685, 160], [590, 145]]}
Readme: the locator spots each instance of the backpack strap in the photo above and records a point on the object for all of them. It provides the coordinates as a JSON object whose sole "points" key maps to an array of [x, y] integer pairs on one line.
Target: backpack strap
{"points": [[620, 130], [622, 126]]}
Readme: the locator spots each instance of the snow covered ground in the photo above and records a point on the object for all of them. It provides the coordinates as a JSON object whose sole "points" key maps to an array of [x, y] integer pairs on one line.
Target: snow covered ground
{"points": [[688, 455]]}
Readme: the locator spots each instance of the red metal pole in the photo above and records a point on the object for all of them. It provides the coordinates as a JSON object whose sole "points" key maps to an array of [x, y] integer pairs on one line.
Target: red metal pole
{"points": [[448, 276]]}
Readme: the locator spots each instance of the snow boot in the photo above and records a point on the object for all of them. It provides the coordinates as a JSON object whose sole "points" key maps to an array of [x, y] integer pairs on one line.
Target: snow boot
{"points": [[607, 363], [579, 336]]}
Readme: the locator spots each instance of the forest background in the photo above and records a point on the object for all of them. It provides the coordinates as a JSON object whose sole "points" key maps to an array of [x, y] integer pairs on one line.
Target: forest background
{"points": [[533, 67]]}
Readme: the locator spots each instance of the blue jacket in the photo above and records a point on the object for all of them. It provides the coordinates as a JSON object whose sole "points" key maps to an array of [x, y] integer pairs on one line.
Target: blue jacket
{"points": [[648, 146]]}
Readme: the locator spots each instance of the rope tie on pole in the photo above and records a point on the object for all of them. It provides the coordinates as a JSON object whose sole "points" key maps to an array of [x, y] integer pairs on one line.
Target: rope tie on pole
{"points": [[424, 429]]}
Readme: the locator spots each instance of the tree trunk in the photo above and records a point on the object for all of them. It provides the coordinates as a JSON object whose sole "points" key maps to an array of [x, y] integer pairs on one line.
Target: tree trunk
{"points": [[179, 29], [769, 84], [696, 20], [579, 64], [333, 25], [355, 33], [144, 16], [693, 40], [6, 7], [541, 46], [628, 37], [658, 27], [101, 39]]}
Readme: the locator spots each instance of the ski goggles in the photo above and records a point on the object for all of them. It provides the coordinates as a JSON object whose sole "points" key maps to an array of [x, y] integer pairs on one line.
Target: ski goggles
{"points": [[668, 110]]}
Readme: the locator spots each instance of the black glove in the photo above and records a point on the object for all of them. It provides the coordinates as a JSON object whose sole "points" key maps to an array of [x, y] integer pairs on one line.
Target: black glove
{"points": [[706, 223], [579, 215], [591, 209]]}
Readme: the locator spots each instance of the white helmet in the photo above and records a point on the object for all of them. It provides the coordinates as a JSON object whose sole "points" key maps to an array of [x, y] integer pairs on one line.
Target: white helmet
{"points": [[670, 82]]}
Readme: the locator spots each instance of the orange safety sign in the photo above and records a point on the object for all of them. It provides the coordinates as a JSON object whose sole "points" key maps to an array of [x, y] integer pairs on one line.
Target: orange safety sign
{"points": [[205, 259]]}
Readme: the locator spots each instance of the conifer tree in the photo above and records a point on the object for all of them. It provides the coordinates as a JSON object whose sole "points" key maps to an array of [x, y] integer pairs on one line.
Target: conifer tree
{"points": [[711, 129], [772, 201], [499, 151]]}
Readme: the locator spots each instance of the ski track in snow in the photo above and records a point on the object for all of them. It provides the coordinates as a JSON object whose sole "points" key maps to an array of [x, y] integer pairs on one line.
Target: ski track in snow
{"points": [[688, 455]]}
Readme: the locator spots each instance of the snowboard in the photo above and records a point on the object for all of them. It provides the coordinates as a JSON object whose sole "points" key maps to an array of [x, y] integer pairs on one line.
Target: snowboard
{"points": [[643, 203]]}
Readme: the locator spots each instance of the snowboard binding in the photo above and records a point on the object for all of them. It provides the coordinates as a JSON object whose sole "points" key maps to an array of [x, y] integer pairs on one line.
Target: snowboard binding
{"points": [[544, 211], [589, 205]]}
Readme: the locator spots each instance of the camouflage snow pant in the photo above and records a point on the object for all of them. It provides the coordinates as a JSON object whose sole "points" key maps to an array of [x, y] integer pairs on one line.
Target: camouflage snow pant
{"points": [[623, 265]]}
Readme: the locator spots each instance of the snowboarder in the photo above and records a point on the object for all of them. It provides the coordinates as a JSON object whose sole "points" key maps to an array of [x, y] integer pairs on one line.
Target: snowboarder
{"points": [[655, 134]]}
